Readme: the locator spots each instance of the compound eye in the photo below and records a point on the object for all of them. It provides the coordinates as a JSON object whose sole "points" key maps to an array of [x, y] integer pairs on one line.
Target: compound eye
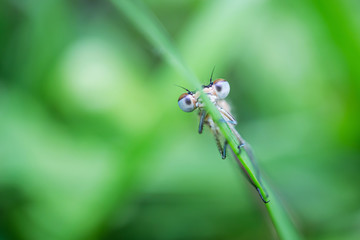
{"points": [[222, 88], [187, 102]]}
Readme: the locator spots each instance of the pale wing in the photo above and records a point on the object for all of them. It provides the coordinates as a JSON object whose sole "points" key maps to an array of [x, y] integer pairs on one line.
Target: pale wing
{"points": [[231, 122]]}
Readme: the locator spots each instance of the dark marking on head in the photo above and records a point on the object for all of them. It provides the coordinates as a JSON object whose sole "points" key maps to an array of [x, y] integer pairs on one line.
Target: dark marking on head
{"points": [[188, 101], [188, 91], [211, 82], [219, 80], [183, 95]]}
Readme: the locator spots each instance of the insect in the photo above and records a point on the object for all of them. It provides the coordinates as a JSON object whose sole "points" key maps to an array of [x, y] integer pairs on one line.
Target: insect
{"points": [[217, 91]]}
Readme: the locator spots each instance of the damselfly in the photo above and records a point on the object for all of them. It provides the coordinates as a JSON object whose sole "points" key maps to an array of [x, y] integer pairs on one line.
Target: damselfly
{"points": [[217, 91]]}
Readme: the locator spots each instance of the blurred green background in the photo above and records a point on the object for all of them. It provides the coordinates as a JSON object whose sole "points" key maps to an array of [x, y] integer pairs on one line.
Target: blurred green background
{"points": [[94, 146]]}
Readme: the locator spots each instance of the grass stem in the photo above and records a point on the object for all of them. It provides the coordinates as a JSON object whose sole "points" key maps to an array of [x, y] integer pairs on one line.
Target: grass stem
{"points": [[152, 29]]}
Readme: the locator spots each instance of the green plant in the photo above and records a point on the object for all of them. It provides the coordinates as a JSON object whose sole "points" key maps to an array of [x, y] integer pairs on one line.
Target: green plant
{"points": [[147, 23]]}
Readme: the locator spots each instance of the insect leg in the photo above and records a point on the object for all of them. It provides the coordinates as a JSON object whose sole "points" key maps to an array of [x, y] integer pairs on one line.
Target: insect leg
{"points": [[224, 149], [218, 143], [214, 129], [261, 196], [242, 144], [201, 123]]}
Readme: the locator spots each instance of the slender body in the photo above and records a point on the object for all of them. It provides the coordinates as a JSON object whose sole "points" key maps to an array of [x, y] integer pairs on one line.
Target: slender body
{"points": [[217, 91]]}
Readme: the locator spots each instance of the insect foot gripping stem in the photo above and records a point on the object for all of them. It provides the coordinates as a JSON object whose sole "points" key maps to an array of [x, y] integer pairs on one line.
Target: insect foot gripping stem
{"points": [[242, 144], [262, 198]]}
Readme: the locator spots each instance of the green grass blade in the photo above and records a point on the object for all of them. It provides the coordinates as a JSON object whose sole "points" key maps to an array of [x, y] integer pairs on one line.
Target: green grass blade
{"points": [[147, 23]]}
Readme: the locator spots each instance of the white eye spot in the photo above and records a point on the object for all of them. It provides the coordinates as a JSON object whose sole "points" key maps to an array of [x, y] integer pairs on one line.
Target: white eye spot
{"points": [[222, 88], [187, 102]]}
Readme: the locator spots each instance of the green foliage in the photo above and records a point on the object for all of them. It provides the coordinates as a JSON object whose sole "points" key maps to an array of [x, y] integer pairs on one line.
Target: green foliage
{"points": [[93, 145]]}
